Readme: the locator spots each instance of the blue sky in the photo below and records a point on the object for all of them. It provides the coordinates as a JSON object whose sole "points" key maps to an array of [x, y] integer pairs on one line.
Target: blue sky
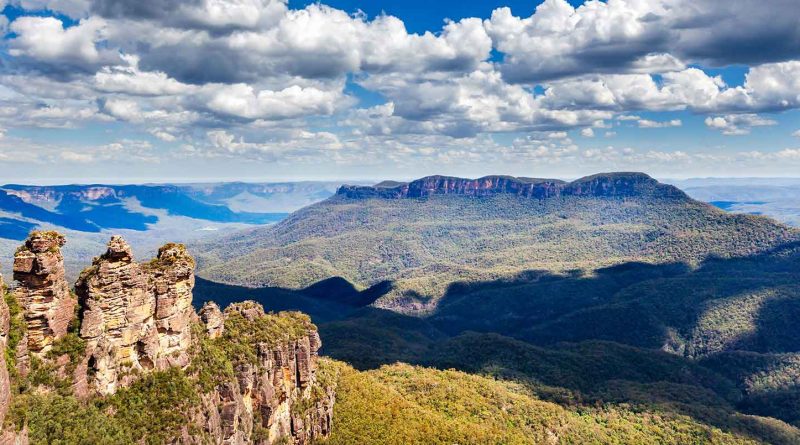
{"points": [[260, 90]]}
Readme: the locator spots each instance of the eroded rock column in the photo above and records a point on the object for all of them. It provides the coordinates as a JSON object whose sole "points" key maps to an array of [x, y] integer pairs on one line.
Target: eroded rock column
{"points": [[43, 291], [136, 317], [172, 276]]}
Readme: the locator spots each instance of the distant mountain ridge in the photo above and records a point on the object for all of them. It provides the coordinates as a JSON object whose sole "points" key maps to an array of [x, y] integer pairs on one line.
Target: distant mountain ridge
{"points": [[426, 235], [92, 208], [603, 184]]}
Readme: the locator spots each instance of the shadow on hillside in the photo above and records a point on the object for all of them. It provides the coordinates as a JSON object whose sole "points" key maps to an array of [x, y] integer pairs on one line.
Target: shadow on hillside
{"points": [[330, 299], [638, 304], [574, 338]]}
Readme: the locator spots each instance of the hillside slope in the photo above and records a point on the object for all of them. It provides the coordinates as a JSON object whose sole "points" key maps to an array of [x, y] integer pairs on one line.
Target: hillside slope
{"points": [[425, 235]]}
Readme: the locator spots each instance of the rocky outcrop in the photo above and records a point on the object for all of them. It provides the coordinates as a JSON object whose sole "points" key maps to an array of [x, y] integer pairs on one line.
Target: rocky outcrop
{"points": [[601, 185], [5, 382], [212, 318], [138, 318], [135, 317], [276, 397], [43, 291], [7, 436]]}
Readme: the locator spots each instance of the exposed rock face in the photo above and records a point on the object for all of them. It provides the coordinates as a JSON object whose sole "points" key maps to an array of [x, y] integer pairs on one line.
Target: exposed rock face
{"points": [[135, 317], [5, 383], [138, 318], [263, 404], [607, 185], [213, 319], [43, 291]]}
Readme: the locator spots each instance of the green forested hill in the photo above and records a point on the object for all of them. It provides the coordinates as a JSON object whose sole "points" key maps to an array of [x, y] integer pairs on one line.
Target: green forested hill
{"points": [[424, 244], [612, 307], [402, 404]]}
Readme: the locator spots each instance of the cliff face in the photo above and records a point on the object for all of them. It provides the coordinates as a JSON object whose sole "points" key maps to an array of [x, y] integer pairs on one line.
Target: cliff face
{"points": [[275, 396], [43, 291], [5, 383], [135, 317], [259, 385], [602, 185]]}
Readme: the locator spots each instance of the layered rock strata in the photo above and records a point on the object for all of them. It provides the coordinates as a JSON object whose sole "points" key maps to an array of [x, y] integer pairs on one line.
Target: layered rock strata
{"points": [[43, 291], [601, 185], [135, 317], [276, 398], [5, 382], [7, 436], [212, 318]]}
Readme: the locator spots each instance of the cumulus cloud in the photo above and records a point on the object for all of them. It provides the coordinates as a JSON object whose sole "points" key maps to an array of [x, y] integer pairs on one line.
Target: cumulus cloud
{"points": [[44, 42], [559, 40], [258, 78], [71, 8], [737, 124], [242, 100], [313, 42], [129, 79], [647, 123]]}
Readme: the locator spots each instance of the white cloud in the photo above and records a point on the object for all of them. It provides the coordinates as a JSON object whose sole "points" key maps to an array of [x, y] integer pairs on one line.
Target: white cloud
{"points": [[71, 8], [625, 36], [45, 40], [129, 79], [242, 100], [257, 78], [737, 124], [646, 123]]}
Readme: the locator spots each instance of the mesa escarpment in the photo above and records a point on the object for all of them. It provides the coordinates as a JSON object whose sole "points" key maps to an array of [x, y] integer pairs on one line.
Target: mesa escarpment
{"points": [[431, 236], [250, 377], [599, 185]]}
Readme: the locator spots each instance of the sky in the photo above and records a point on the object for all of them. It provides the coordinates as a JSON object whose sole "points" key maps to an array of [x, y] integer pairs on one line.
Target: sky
{"points": [[121, 91]]}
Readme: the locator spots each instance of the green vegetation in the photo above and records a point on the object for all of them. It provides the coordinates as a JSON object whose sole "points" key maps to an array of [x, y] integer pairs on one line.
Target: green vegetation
{"points": [[425, 245], [640, 306], [16, 331], [163, 260], [242, 334], [153, 409], [402, 404], [156, 407]]}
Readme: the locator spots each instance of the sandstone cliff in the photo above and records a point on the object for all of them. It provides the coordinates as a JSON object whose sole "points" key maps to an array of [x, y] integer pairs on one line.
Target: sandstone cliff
{"points": [[252, 377], [43, 291], [135, 317], [5, 383], [602, 185], [275, 394]]}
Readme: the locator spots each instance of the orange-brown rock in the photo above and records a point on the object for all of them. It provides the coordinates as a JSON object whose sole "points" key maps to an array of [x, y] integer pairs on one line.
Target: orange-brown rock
{"points": [[617, 185], [43, 291], [213, 319], [266, 393], [5, 383], [135, 317]]}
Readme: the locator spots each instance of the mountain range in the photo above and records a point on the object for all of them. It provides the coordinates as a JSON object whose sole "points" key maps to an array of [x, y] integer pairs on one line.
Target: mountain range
{"points": [[503, 310], [149, 215], [429, 235], [611, 289]]}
